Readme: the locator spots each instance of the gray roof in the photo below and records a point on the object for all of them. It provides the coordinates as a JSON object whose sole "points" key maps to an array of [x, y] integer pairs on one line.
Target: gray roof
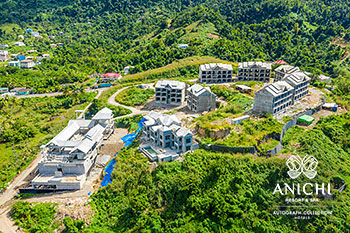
{"points": [[296, 78], [104, 114], [163, 119], [278, 88], [243, 87], [214, 66], [163, 122], [170, 84], [93, 136], [252, 64], [65, 134], [287, 69], [198, 90], [182, 132]]}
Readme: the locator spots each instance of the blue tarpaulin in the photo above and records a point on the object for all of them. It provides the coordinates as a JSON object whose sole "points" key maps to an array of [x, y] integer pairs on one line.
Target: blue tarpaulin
{"points": [[127, 139]]}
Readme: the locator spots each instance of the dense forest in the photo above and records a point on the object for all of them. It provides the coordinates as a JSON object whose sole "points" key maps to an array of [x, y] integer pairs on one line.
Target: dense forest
{"points": [[109, 35], [207, 192]]}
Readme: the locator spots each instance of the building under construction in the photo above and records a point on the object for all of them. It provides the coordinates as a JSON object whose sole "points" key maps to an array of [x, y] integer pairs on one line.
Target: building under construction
{"points": [[69, 156]]}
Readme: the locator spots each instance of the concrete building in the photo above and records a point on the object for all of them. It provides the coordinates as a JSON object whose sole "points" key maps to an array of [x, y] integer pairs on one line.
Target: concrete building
{"points": [[4, 55], [19, 43], [215, 73], [166, 137], [273, 98], [200, 99], [70, 155], [254, 71], [284, 70], [182, 46], [324, 78], [170, 92], [300, 82], [244, 89], [14, 64], [27, 64]]}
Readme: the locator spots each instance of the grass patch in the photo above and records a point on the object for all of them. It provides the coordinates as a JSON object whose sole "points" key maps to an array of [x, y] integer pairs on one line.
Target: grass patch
{"points": [[133, 96], [185, 67]]}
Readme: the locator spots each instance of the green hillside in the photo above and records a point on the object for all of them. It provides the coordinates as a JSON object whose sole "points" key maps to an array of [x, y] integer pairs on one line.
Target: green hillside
{"points": [[208, 191]]}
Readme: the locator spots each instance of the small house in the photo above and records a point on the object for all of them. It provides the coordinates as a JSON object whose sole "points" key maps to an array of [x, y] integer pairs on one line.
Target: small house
{"points": [[21, 90], [244, 89], [238, 120], [324, 78], [3, 90], [35, 34], [46, 56], [4, 55], [182, 46], [4, 46], [14, 64], [330, 106], [305, 120], [27, 64], [19, 43]]}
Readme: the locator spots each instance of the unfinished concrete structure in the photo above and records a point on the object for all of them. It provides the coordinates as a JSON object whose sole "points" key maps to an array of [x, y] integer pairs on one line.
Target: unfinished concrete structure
{"points": [[254, 71], [165, 137], [170, 92], [69, 156], [276, 97], [284, 70], [200, 99], [273, 98], [215, 73], [300, 82]]}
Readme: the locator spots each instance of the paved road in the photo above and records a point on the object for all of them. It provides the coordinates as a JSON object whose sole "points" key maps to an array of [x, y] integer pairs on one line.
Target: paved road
{"points": [[56, 93], [6, 199]]}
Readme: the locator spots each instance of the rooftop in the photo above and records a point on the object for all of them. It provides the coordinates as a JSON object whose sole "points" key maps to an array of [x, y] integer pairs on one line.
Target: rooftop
{"points": [[170, 84], [214, 66], [296, 78], [197, 89], [253, 64], [278, 88], [287, 69]]}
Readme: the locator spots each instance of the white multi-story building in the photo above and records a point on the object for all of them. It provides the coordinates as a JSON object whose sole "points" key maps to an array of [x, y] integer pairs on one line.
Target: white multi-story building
{"points": [[284, 70], [170, 92], [69, 156], [215, 73], [200, 99], [273, 98], [254, 71], [300, 83], [278, 96], [165, 131]]}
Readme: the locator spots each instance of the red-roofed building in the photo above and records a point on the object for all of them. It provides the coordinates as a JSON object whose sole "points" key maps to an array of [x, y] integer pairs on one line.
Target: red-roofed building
{"points": [[280, 62], [109, 77]]}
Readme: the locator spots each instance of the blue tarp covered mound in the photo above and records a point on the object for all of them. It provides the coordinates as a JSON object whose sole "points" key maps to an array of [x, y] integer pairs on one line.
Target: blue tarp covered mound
{"points": [[127, 139]]}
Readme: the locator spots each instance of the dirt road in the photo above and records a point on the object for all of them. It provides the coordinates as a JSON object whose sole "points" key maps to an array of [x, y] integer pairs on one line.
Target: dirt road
{"points": [[134, 111]]}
